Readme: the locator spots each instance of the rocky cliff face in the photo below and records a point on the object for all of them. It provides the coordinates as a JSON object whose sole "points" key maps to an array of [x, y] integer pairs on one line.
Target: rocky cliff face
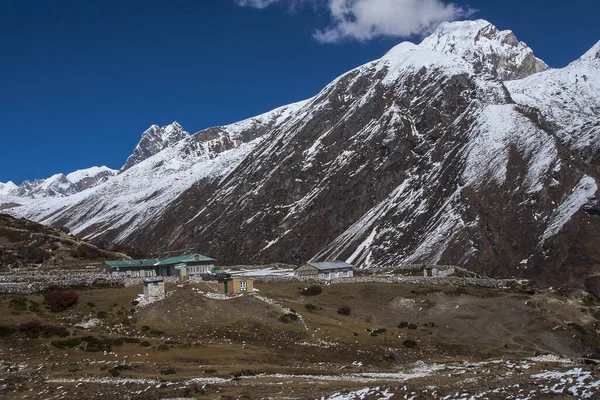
{"points": [[153, 140], [464, 149]]}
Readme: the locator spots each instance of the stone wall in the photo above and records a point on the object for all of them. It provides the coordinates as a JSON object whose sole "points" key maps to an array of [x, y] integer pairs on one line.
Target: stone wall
{"points": [[30, 282], [420, 280]]}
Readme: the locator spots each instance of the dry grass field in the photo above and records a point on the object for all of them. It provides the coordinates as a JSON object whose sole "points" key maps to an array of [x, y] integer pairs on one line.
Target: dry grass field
{"points": [[281, 344]]}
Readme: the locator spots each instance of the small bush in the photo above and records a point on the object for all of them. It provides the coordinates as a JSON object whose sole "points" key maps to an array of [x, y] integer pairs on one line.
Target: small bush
{"points": [[52, 330], [114, 342], [344, 310], [129, 340], [18, 303], [210, 371], [34, 307], [31, 329], [156, 332], [310, 307], [101, 314], [66, 343], [60, 300], [403, 325], [379, 330], [313, 290], [134, 302], [93, 344], [578, 328], [168, 371], [116, 371], [287, 318], [412, 326], [145, 343], [145, 328], [6, 331], [91, 304], [411, 344]]}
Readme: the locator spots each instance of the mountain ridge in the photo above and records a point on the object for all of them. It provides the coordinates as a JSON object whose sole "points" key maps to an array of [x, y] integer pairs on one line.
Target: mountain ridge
{"points": [[429, 154]]}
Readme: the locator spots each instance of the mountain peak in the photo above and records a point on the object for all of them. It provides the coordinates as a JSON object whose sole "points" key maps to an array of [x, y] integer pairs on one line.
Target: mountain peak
{"points": [[154, 140], [498, 54], [593, 53], [7, 188]]}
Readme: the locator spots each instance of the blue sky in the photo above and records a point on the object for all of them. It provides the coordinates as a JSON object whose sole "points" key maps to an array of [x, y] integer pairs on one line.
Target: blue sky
{"points": [[82, 79]]}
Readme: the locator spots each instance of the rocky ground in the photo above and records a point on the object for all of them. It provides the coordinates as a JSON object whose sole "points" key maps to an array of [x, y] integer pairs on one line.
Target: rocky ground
{"points": [[398, 341]]}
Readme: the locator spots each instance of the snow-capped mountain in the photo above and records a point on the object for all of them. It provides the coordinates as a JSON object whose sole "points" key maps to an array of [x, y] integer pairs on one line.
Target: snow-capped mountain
{"points": [[153, 140], [7, 188], [58, 185], [463, 149]]}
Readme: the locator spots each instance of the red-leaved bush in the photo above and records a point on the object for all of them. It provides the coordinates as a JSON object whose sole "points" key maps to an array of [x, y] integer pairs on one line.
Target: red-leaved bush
{"points": [[60, 300]]}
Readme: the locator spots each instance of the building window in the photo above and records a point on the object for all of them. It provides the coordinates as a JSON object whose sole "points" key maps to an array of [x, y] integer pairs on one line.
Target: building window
{"points": [[326, 275], [345, 273], [243, 286]]}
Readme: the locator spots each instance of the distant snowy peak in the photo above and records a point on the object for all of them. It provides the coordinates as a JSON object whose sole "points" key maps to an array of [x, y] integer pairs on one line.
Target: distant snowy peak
{"points": [[497, 54], [7, 188], [154, 140], [59, 185], [92, 172], [593, 54]]}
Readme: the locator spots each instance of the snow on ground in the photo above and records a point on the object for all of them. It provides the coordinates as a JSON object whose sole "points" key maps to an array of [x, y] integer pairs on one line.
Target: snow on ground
{"points": [[381, 394]]}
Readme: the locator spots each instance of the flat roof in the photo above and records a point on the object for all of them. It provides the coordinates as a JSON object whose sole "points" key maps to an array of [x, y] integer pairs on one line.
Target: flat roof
{"points": [[185, 258], [147, 262], [329, 265], [156, 262]]}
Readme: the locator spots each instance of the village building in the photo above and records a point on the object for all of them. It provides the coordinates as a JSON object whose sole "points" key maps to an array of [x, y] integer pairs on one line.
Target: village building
{"points": [[325, 270], [187, 265], [237, 285], [181, 266], [154, 289], [136, 268]]}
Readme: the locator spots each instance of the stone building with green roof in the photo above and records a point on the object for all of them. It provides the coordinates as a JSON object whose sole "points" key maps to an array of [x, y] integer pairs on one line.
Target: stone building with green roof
{"points": [[182, 266]]}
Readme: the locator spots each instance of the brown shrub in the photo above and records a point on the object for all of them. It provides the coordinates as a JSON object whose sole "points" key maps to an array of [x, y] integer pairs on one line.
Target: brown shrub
{"points": [[344, 310], [311, 291], [60, 300]]}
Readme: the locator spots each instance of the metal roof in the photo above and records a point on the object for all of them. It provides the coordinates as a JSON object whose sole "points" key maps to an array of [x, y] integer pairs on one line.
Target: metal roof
{"points": [[155, 262], [185, 258], [329, 265], [149, 262]]}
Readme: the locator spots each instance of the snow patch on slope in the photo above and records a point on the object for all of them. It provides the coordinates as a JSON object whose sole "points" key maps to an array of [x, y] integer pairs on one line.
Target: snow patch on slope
{"points": [[582, 193], [568, 97], [498, 128]]}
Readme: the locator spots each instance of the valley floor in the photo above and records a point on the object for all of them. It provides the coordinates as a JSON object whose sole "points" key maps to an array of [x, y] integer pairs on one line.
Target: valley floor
{"points": [[398, 341]]}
